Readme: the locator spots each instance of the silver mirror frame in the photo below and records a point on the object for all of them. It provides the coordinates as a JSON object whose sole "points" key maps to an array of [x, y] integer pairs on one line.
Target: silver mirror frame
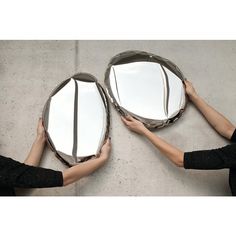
{"points": [[137, 56], [85, 77]]}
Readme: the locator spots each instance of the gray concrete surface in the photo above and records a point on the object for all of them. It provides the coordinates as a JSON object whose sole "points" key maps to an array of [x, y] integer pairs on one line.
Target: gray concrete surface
{"points": [[29, 70]]}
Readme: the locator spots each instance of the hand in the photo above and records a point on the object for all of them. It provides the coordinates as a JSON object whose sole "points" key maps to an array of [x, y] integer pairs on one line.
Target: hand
{"points": [[40, 129], [106, 149], [189, 89], [133, 124]]}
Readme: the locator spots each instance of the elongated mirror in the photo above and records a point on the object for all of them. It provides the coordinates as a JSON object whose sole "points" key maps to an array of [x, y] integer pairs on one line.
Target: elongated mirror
{"points": [[146, 86], [76, 119]]}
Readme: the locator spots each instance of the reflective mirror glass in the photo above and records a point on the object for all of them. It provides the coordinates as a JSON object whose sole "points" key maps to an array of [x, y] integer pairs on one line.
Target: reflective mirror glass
{"points": [[76, 119], [146, 86]]}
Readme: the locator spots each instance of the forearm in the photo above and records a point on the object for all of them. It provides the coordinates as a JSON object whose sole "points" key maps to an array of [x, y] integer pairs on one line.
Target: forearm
{"points": [[222, 125], [172, 153], [83, 169], [36, 151]]}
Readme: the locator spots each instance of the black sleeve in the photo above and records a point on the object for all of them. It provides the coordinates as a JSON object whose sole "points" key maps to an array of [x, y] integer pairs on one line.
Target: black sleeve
{"points": [[233, 137], [219, 158], [16, 174]]}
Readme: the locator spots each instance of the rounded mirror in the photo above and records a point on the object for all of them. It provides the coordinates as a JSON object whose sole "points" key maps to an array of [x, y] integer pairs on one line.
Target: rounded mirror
{"points": [[76, 119], [146, 86]]}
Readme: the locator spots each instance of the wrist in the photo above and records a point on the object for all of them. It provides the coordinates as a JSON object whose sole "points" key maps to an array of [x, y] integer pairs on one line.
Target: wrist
{"points": [[193, 96], [146, 132]]}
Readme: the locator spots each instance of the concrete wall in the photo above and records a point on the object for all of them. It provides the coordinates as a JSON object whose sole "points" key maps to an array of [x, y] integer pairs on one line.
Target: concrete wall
{"points": [[29, 70]]}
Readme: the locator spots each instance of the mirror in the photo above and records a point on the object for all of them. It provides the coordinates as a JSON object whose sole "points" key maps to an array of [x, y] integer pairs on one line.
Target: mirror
{"points": [[148, 87], [76, 119]]}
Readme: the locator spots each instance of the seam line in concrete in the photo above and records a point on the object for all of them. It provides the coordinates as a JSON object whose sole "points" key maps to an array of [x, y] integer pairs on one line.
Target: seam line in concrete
{"points": [[76, 62]]}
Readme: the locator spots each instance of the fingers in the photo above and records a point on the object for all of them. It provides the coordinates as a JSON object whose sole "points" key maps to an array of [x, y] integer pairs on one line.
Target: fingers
{"points": [[187, 82], [125, 121], [40, 122], [130, 118], [107, 141]]}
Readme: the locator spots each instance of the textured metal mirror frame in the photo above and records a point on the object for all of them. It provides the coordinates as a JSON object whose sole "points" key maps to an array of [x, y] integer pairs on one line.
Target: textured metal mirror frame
{"points": [[76, 118], [138, 82]]}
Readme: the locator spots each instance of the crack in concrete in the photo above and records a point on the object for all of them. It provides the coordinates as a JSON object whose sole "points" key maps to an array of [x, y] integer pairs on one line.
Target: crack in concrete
{"points": [[76, 59]]}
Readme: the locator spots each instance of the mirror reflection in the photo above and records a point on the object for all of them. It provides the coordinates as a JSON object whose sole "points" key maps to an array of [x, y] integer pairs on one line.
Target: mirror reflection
{"points": [[146, 86], [76, 119]]}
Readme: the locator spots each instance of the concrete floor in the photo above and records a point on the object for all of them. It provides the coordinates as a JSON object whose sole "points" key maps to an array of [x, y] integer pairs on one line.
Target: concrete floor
{"points": [[29, 70]]}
